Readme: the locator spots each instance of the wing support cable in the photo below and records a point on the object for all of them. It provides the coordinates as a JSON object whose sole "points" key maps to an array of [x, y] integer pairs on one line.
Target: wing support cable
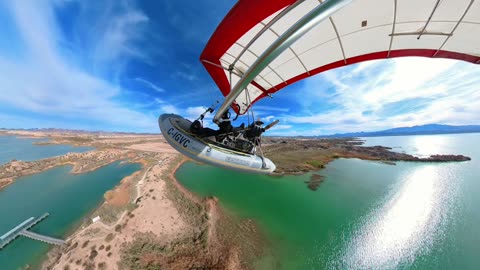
{"points": [[260, 76], [339, 40], [416, 33], [273, 70], [455, 27], [422, 32], [222, 67], [393, 27], [296, 31], [257, 141], [294, 53], [239, 74], [338, 37], [266, 27]]}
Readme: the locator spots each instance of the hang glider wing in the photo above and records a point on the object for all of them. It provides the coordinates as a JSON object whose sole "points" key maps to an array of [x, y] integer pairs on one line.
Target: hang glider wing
{"points": [[361, 30]]}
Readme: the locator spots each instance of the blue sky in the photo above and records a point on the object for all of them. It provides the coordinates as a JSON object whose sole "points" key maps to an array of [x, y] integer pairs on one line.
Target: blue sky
{"points": [[116, 65]]}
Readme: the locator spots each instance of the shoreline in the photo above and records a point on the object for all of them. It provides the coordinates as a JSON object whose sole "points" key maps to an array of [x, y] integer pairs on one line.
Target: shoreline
{"points": [[162, 214], [320, 152], [103, 153], [80, 162], [76, 227], [200, 251], [183, 219], [240, 240], [191, 195], [295, 156]]}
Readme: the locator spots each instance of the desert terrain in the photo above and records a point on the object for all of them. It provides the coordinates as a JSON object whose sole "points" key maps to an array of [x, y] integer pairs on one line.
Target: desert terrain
{"points": [[148, 220]]}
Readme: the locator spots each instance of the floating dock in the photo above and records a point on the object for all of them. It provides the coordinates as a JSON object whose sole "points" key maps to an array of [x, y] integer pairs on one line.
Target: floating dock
{"points": [[23, 229]]}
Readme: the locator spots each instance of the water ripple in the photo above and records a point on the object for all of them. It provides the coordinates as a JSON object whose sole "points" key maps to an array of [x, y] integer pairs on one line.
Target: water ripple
{"points": [[407, 225]]}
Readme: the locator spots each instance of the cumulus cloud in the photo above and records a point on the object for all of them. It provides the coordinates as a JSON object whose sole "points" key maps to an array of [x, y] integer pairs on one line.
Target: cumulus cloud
{"points": [[416, 90], [45, 81], [150, 84], [119, 36]]}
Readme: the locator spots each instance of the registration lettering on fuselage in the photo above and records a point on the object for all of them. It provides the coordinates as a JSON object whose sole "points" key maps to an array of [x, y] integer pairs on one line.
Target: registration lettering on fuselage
{"points": [[237, 161], [178, 137]]}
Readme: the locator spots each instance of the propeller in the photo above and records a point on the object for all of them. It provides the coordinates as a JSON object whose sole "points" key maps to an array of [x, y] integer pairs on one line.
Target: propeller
{"points": [[271, 124]]}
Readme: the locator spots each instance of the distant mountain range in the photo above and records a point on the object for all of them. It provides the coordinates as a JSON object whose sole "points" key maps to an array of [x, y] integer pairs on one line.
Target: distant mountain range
{"points": [[415, 130], [79, 131]]}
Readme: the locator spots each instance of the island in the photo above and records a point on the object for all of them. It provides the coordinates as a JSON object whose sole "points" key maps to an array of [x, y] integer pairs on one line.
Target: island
{"points": [[150, 221]]}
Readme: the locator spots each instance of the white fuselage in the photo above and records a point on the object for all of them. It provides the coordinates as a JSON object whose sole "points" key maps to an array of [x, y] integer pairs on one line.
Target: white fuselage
{"points": [[175, 130]]}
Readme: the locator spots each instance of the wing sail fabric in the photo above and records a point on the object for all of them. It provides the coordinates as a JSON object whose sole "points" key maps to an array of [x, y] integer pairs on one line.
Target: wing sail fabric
{"points": [[363, 30]]}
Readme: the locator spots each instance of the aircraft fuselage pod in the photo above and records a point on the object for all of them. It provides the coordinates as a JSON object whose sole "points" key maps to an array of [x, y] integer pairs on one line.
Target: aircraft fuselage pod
{"points": [[175, 129]]}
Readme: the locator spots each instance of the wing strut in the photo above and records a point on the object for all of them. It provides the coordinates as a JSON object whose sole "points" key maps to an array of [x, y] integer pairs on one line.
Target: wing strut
{"points": [[314, 17]]}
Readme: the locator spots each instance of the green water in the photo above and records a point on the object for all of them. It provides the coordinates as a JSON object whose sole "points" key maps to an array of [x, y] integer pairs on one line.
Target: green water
{"points": [[23, 149], [366, 215], [67, 197]]}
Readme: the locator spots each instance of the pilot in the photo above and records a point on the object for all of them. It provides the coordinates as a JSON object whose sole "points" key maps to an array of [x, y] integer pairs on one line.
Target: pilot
{"points": [[225, 124], [255, 130], [197, 128]]}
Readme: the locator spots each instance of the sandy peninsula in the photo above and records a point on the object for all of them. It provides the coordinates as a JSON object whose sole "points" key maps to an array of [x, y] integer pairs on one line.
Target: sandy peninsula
{"points": [[148, 221]]}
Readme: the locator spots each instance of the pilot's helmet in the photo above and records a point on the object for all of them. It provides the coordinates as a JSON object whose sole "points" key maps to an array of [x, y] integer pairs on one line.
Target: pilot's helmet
{"points": [[226, 115], [259, 122]]}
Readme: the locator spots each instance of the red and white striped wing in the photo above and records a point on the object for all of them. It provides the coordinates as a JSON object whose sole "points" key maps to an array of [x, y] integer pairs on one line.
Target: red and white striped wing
{"points": [[363, 30]]}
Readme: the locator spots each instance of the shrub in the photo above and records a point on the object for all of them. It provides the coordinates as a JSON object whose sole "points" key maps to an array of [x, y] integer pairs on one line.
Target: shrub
{"points": [[109, 237], [316, 163], [93, 254], [85, 244]]}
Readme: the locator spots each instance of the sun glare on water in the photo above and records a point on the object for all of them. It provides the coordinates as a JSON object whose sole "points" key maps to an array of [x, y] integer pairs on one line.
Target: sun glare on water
{"points": [[406, 225], [430, 145]]}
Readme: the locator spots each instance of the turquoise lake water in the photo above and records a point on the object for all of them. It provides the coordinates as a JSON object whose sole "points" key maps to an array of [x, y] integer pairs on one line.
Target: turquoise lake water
{"points": [[23, 149], [366, 215], [67, 197]]}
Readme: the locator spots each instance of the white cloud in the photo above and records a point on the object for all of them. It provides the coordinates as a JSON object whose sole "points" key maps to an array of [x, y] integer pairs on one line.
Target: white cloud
{"points": [[151, 85], [45, 82], [185, 76], [118, 34], [362, 66], [194, 112], [168, 108], [281, 127], [271, 108], [268, 118], [159, 101], [408, 80], [449, 88]]}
